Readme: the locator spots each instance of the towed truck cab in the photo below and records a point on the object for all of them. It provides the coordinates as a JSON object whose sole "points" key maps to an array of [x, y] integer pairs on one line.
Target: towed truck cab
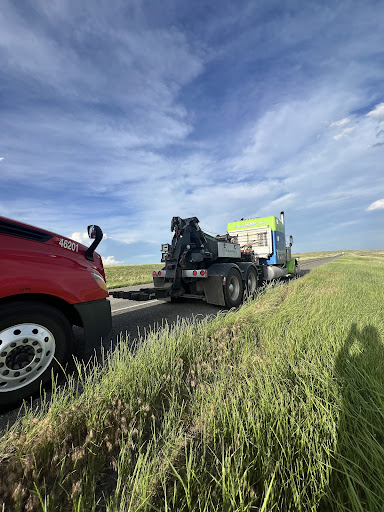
{"points": [[48, 284]]}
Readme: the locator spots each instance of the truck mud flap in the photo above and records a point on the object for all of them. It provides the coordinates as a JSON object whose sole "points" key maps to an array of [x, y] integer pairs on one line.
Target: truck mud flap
{"points": [[213, 290]]}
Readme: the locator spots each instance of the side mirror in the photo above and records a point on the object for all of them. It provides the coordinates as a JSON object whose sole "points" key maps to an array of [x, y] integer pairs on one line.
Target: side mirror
{"points": [[95, 233], [290, 240], [92, 231]]}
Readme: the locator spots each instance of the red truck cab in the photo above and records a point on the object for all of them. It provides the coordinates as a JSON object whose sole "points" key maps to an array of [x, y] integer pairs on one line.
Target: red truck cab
{"points": [[48, 283]]}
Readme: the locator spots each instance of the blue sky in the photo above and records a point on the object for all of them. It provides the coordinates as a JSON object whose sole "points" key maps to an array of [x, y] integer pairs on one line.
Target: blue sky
{"points": [[126, 113]]}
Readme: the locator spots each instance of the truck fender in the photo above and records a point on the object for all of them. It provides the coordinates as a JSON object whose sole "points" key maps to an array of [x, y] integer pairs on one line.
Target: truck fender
{"points": [[221, 269], [213, 285], [244, 266], [291, 266]]}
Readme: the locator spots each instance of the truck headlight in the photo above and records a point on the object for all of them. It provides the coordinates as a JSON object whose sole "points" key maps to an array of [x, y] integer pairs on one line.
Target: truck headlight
{"points": [[100, 281]]}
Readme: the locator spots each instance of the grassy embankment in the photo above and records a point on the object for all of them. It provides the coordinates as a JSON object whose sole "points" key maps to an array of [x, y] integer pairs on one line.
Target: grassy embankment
{"points": [[128, 275], [278, 406], [314, 255], [328, 254]]}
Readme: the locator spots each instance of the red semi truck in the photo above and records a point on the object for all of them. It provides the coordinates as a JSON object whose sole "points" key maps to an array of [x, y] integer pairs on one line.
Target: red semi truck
{"points": [[48, 283]]}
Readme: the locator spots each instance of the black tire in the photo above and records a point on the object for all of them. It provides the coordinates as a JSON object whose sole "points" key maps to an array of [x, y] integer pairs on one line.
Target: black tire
{"points": [[251, 281], [35, 339], [233, 288]]}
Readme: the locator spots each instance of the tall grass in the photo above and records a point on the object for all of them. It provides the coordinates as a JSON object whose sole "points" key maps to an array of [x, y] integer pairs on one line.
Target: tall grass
{"points": [[278, 406]]}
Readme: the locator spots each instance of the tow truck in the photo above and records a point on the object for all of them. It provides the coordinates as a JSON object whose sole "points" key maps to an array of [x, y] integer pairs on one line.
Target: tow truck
{"points": [[221, 269]]}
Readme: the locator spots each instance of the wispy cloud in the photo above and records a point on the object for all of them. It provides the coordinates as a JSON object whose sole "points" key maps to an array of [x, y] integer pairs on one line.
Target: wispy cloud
{"points": [[344, 132], [125, 116], [342, 122]]}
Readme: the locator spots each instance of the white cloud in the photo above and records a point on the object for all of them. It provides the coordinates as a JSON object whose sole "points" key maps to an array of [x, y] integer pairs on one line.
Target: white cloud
{"points": [[1, 158], [377, 205], [119, 235], [289, 129], [146, 71], [80, 237], [110, 260], [377, 113], [283, 201], [344, 132], [346, 224], [342, 122]]}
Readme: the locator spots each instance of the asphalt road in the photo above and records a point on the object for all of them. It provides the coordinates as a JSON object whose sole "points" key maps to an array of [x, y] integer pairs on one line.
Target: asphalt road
{"points": [[133, 320]]}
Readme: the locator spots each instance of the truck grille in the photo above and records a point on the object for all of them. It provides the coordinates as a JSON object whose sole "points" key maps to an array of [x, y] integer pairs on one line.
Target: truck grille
{"points": [[260, 239], [7, 227]]}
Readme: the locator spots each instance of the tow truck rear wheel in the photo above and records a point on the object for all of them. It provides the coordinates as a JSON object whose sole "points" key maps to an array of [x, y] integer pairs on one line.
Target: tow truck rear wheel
{"points": [[35, 339], [251, 281], [233, 288]]}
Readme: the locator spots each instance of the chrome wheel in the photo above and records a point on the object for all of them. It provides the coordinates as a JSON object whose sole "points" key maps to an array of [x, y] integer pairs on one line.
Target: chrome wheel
{"points": [[26, 350], [234, 288], [251, 282]]}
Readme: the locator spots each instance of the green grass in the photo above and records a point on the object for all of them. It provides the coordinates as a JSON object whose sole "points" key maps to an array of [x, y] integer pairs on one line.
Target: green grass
{"points": [[128, 275], [328, 254], [276, 407], [314, 255]]}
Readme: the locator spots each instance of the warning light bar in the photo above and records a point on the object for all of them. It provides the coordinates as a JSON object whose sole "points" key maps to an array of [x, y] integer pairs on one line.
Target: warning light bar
{"points": [[195, 273]]}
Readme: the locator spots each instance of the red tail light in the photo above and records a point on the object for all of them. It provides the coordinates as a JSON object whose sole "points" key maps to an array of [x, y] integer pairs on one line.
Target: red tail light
{"points": [[194, 273], [154, 273], [202, 272]]}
